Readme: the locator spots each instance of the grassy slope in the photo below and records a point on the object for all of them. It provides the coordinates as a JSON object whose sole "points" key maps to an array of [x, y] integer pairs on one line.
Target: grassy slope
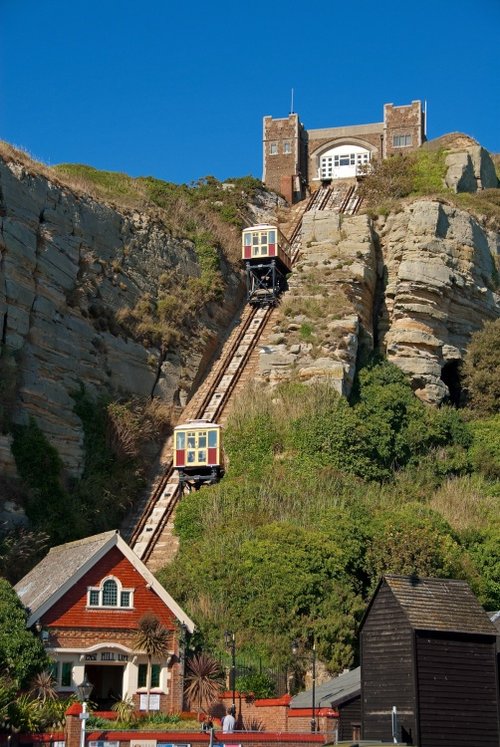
{"points": [[320, 498]]}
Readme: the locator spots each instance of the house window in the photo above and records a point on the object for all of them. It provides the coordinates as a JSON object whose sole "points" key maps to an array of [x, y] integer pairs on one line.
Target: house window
{"points": [[66, 672], [273, 149], [62, 673], [142, 675], [110, 593], [287, 147], [401, 141]]}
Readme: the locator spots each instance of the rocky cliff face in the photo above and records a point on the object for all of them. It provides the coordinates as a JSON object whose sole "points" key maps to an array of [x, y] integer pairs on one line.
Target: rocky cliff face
{"points": [[439, 283], [416, 285], [68, 264], [327, 316]]}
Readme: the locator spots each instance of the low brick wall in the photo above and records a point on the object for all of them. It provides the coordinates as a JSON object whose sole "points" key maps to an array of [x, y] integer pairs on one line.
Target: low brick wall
{"points": [[275, 715]]}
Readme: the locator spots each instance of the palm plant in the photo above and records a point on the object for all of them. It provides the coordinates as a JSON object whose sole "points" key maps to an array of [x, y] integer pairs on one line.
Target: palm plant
{"points": [[43, 687], [153, 639], [125, 710], [204, 680]]}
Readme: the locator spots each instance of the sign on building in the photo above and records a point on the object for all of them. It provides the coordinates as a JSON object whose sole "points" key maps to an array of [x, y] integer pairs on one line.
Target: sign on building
{"points": [[154, 702]]}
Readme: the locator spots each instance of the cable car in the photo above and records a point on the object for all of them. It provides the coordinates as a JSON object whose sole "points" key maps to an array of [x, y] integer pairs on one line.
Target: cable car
{"points": [[268, 259], [198, 453]]}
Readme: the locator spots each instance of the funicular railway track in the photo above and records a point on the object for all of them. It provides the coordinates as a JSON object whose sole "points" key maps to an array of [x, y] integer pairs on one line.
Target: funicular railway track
{"points": [[151, 535]]}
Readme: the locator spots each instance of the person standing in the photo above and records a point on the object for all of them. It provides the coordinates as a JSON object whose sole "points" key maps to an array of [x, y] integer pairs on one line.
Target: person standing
{"points": [[228, 722]]}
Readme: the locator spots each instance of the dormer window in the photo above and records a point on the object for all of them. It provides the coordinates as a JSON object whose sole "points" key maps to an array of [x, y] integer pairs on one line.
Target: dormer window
{"points": [[110, 593]]}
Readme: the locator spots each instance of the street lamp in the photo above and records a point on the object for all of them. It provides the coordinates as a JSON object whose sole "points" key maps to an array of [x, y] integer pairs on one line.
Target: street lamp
{"points": [[84, 690], [295, 651], [230, 641]]}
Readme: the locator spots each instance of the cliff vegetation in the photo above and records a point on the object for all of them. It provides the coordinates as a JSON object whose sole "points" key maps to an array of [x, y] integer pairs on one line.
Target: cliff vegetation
{"points": [[323, 495]]}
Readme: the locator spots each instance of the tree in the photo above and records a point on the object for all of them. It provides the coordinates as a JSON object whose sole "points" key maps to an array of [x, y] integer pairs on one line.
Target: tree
{"points": [[482, 369], [153, 638], [22, 654], [204, 680], [413, 539]]}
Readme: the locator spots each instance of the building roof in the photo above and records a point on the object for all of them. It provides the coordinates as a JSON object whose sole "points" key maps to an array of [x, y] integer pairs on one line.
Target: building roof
{"points": [[334, 692], [440, 604], [65, 564]]}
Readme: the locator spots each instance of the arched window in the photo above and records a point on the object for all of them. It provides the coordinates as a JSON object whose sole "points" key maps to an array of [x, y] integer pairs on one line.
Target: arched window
{"points": [[110, 593], [343, 161]]}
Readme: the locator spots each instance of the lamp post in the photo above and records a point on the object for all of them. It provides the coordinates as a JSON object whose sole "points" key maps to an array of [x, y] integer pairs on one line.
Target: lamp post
{"points": [[84, 690], [295, 651], [230, 641]]}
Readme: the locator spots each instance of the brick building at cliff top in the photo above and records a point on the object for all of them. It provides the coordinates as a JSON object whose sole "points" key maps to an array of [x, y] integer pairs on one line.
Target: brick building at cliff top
{"points": [[297, 161]]}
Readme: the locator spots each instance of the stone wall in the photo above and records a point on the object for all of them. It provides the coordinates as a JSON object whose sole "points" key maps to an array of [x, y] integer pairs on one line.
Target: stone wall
{"points": [[403, 121], [367, 136], [284, 149]]}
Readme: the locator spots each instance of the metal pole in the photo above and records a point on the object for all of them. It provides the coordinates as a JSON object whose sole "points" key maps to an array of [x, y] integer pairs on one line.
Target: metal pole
{"points": [[233, 671], [313, 720], [83, 716]]}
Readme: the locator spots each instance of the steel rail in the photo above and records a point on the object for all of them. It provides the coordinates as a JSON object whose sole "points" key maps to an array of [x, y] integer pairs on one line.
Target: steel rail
{"points": [[321, 200]]}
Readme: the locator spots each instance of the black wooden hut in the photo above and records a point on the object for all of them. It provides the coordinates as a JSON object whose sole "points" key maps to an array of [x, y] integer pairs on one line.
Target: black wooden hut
{"points": [[428, 648]]}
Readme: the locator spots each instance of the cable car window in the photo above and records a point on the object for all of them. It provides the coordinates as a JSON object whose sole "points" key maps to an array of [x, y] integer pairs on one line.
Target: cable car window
{"points": [[191, 441], [212, 439], [255, 239], [255, 251], [202, 440], [190, 457], [202, 455], [272, 237], [180, 440], [263, 237], [248, 239]]}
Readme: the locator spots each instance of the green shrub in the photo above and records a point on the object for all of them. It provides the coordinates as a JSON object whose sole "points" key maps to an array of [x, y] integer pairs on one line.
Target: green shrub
{"points": [[481, 369], [485, 451], [40, 468], [260, 685], [402, 175]]}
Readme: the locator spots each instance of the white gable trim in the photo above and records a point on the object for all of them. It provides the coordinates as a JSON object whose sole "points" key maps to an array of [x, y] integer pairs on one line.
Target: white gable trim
{"points": [[155, 584], [114, 541]]}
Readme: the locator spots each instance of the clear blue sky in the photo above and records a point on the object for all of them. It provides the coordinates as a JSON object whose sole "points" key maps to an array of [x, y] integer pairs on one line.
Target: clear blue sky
{"points": [[178, 89]]}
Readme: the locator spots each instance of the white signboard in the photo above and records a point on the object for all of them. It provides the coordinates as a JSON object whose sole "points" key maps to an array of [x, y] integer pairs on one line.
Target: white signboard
{"points": [[101, 743], [154, 702], [143, 743]]}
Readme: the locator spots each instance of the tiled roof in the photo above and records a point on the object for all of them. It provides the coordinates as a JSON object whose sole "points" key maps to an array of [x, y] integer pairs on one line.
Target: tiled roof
{"points": [[331, 693], [440, 604], [58, 568]]}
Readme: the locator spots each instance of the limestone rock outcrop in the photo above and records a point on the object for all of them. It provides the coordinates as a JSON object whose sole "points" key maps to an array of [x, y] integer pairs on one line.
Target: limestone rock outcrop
{"points": [[438, 269], [470, 170], [415, 284], [327, 314], [68, 264]]}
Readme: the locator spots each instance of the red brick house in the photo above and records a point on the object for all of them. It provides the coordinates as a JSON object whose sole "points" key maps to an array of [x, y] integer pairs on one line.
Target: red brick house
{"points": [[86, 598]]}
